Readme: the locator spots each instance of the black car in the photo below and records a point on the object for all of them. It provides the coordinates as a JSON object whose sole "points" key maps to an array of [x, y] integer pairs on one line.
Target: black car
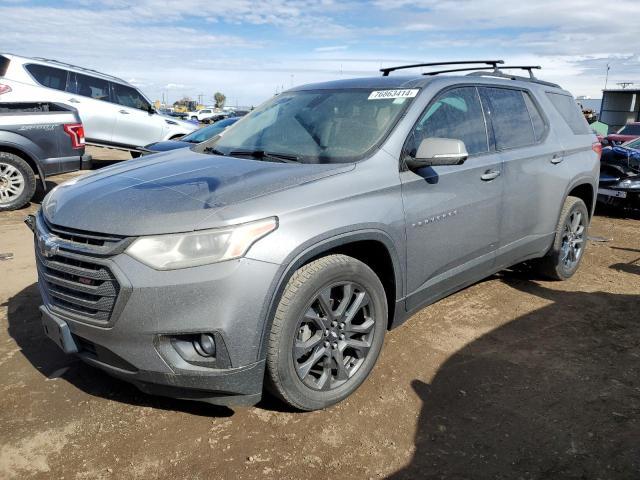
{"points": [[198, 136], [620, 174]]}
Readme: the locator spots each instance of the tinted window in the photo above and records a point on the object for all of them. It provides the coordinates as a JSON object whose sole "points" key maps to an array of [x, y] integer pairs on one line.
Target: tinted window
{"points": [[510, 119], [92, 87], [4, 65], [536, 118], [48, 76], [455, 114], [632, 129], [129, 97], [568, 109]]}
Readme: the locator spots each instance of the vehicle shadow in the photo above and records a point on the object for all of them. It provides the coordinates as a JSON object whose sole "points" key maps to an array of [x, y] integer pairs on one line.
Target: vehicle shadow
{"points": [[552, 394], [25, 328]]}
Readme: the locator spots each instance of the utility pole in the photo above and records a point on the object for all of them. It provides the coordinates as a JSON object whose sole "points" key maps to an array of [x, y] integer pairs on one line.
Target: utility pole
{"points": [[606, 78]]}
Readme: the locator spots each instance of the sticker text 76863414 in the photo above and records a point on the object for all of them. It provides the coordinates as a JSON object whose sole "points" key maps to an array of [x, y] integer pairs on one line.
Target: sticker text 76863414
{"points": [[385, 94]]}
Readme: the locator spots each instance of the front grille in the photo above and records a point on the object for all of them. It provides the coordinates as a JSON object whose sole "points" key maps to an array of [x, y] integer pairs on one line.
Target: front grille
{"points": [[75, 279], [78, 288], [82, 237]]}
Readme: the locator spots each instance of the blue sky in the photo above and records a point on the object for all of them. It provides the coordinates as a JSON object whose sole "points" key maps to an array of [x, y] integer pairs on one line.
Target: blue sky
{"points": [[249, 50]]}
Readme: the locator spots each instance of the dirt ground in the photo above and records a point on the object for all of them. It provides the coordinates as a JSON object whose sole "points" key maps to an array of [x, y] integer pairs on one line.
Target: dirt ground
{"points": [[512, 378]]}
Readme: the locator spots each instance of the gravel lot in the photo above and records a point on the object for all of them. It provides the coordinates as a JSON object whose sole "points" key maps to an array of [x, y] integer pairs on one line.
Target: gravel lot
{"points": [[514, 377]]}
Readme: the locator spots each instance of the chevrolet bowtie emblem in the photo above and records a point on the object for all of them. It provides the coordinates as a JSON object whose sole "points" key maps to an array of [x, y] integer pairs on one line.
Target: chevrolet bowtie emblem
{"points": [[47, 246]]}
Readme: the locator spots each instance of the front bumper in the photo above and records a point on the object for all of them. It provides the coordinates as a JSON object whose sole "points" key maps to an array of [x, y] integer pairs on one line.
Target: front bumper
{"points": [[156, 311]]}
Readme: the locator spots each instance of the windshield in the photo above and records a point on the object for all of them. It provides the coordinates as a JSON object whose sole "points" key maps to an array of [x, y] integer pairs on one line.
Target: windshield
{"points": [[633, 144], [633, 129], [318, 126], [208, 132]]}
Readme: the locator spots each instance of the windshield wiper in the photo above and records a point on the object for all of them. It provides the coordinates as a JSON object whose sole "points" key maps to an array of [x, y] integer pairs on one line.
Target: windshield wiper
{"points": [[262, 155], [214, 151]]}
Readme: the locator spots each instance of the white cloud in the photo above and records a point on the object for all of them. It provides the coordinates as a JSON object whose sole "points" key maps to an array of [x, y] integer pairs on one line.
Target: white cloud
{"points": [[330, 49]]}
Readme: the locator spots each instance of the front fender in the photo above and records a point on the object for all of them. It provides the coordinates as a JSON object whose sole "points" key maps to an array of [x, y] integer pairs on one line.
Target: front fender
{"points": [[314, 248]]}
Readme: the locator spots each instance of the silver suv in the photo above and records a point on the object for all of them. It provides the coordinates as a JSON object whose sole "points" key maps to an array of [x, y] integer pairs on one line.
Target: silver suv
{"points": [[284, 249], [115, 113]]}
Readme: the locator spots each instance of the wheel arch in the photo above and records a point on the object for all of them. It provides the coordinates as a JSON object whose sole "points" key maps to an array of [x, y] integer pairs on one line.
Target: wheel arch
{"points": [[373, 247], [584, 191], [27, 157]]}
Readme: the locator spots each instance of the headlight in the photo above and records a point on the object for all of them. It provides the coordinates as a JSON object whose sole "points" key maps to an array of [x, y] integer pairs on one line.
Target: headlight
{"points": [[629, 183], [181, 250]]}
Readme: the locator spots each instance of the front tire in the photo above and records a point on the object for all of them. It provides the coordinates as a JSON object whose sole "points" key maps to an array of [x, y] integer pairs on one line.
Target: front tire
{"points": [[17, 182], [327, 332], [563, 260]]}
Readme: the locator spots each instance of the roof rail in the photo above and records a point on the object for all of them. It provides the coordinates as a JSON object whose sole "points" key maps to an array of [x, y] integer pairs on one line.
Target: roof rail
{"points": [[83, 69], [492, 63], [500, 74]]}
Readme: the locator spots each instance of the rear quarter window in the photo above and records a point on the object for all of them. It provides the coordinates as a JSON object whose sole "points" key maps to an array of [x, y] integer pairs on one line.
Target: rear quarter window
{"points": [[4, 65], [568, 109], [48, 76]]}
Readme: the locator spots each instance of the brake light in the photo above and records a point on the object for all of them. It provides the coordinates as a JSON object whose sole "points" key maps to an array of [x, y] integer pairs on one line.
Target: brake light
{"points": [[76, 132], [4, 88], [597, 147]]}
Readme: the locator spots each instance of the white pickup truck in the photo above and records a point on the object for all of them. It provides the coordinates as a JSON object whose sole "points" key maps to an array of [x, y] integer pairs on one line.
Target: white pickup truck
{"points": [[207, 115]]}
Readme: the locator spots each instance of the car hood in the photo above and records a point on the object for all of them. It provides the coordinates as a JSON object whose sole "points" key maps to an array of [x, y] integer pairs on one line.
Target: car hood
{"points": [[167, 145], [171, 192]]}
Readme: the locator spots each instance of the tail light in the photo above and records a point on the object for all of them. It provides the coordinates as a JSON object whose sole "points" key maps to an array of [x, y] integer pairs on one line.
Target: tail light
{"points": [[597, 147], [76, 132], [4, 88]]}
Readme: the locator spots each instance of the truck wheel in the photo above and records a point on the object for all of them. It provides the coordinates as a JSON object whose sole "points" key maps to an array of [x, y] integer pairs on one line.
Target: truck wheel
{"points": [[327, 332], [17, 182], [562, 261], [194, 117]]}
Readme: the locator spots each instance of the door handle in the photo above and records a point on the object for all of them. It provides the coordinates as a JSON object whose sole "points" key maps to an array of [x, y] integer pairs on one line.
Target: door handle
{"points": [[124, 112], [73, 100], [490, 175], [556, 158]]}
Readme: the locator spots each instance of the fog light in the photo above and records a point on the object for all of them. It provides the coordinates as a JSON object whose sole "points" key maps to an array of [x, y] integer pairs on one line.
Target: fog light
{"points": [[205, 345]]}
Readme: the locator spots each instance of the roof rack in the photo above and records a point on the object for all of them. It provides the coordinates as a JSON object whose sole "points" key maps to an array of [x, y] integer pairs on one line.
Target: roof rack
{"points": [[492, 63], [531, 78], [83, 69]]}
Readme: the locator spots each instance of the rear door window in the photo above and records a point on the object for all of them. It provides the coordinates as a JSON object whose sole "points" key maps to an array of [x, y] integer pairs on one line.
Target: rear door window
{"points": [[92, 87], [512, 126], [48, 76], [129, 97], [539, 125], [568, 109], [455, 114]]}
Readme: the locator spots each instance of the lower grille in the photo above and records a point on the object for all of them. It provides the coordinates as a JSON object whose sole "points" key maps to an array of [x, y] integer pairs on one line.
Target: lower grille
{"points": [[77, 287]]}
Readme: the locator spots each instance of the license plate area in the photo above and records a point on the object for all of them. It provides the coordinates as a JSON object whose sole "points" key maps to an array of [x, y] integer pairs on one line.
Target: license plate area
{"points": [[58, 331], [612, 193]]}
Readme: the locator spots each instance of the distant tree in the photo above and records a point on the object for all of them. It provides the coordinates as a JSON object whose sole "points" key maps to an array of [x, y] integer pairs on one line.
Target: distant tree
{"points": [[183, 102], [219, 98]]}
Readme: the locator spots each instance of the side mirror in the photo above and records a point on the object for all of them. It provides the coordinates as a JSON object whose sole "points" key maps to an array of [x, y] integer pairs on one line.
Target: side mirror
{"points": [[438, 151]]}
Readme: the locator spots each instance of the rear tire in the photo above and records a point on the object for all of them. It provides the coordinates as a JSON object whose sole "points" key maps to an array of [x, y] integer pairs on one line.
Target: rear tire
{"points": [[327, 332], [17, 182], [563, 260]]}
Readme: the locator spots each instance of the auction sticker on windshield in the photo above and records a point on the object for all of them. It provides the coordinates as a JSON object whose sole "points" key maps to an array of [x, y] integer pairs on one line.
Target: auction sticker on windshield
{"points": [[384, 94]]}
